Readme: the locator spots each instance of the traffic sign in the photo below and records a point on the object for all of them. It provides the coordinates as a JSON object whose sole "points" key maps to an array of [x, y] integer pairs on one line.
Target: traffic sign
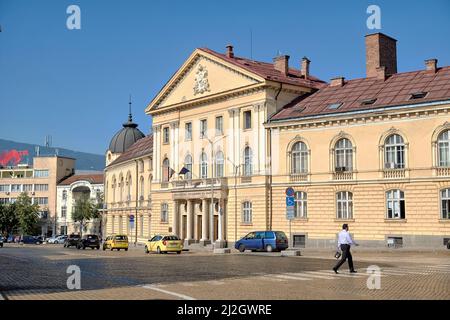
{"points": [[290, 213], [131, 218], [290, 192], [290, 202]]}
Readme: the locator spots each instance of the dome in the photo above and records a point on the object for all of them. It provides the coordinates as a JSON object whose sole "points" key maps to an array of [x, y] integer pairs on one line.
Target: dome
{"points": [[125, 138]]}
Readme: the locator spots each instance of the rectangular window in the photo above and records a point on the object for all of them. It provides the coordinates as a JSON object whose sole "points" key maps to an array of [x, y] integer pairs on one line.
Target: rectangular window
{"points": [[40, 173], [247, 119], [247, 212], [4, 187], [164, 212], [27, 187], [445, 203], [203, 128], [41, 187], [63, 211], [395, 204], [166, 135], [188, 131], [299, 241], [16, 188], [219, 126], [344, 205], [4, 200], [41, 200]]}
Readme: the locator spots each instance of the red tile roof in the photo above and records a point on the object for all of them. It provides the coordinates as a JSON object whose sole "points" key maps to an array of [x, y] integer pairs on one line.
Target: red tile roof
{"points": [[394, 91], [142, 147], [91, 178], [268, 72]]}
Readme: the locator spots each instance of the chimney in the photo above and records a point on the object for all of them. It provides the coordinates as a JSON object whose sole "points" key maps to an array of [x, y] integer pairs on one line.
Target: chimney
{"points": [[305, 67], [381, 51], [230, 53], [431, 65], [337, 82], [281, 63]]}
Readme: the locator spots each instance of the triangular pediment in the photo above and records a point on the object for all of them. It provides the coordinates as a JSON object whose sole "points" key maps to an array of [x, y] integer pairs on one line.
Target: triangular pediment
{"points": [[202, 75]]}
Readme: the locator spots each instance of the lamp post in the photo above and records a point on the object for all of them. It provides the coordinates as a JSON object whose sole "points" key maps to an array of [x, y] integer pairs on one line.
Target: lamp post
{"points": [[235, 170], [211, 216]]}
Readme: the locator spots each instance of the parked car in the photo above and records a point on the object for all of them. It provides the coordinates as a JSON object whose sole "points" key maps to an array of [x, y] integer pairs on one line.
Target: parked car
{"points": [[52, 239], [118, 242], [60, 239], [72, 240], [263, 240], [1, 241], [89, 241], [164, 244], [31, 240]]}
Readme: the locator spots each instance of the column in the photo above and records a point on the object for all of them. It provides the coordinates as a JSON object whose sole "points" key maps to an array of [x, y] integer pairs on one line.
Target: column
{"points": [[176, 217], [205, 208], [211, 221], [190, 220], [221, 221]]}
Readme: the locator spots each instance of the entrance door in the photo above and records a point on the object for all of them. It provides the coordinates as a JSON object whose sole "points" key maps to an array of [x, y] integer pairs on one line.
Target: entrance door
{"points": [[184, 227], [216, 227], [199, 227]]}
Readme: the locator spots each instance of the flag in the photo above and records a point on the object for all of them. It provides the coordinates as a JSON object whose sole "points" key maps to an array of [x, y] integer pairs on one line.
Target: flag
{"points": [[184, 170], [171, 172]]}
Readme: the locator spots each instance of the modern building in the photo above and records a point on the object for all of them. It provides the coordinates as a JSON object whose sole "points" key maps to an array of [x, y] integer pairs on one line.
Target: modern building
{"points": [[69, 191], [128, 176], [39, 180], [231, 134]]}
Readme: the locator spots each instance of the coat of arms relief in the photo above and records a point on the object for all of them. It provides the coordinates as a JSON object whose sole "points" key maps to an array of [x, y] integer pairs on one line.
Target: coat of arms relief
{"points": [[201, 80]]}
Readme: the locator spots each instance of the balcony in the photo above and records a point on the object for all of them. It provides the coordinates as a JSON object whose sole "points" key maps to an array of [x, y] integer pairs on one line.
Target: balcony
{"points": [[299, 177], [341, 175], [443, 171], [199, 183], [394, 173]]}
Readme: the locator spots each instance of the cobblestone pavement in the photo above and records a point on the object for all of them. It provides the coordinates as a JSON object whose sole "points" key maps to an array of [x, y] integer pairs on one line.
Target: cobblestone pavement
{"points": [[39, 272]]}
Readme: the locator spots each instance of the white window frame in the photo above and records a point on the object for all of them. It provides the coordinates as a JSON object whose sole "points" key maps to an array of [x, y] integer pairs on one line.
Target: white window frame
{"points": [[164, 212], [188, 165], [188, 131], [203, 128], [247, 212], [344, 205], [445, 203], [299, 158], [248, 161], [343, 155], [219, 170], [394, 199], [300, 204], [443, 148], [394, 152], [219, 125]]}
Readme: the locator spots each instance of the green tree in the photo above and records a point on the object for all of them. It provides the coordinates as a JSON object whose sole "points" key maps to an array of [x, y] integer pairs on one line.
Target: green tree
{"points": [[9, 219], [85, 209], [28, 214]]}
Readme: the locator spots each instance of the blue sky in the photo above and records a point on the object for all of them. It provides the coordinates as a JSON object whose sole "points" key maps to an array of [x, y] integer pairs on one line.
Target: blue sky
{"points": [[74, 84]]}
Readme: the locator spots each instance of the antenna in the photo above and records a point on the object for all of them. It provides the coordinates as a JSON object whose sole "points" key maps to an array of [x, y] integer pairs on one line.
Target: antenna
{"points": [[48, 141], [36, 149], [130, 117]]}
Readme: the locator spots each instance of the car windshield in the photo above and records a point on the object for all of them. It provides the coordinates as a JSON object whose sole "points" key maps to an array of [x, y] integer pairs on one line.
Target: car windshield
{"points": [[121, 238], [281, 235], [92, 237]]}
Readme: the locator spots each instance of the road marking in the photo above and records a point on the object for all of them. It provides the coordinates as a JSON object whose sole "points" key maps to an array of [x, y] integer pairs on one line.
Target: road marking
{"points": [[179, 295], [343, 275], [404, 271], [311, 275], [288, 277]]}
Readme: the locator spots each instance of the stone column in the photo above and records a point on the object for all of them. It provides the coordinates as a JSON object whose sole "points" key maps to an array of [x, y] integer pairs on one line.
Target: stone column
{"points": [[205, 208], [176, 217], [221, 243], [189, 224], [211, 221]]}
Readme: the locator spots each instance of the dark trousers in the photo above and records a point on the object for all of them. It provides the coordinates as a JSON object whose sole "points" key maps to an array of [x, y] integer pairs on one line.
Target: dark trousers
{"points": [[345, 255]]}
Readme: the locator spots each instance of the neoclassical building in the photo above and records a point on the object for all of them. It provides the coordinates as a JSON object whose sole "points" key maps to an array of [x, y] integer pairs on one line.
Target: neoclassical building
{"points": [[230, 134], [127, 178]]}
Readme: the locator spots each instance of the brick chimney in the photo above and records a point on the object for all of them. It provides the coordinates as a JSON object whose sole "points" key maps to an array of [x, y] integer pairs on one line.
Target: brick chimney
{"points": [[281, 63], [305, 67], [337, 82], [230, 53], [431, 65], [381, 51]]}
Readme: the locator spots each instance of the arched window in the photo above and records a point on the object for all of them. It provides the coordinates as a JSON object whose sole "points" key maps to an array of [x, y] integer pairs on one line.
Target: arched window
{"points": [[64, 195], [343, 155], [164, 212], [141, 188], [203, 166], [344, 205], [445, 203], [247, 212], [299, 158], [300, 204], [444, 149], [165, 169], [394, 152], [395, 204], [248, 161], [219, 164], [121, 189], [188, 165]]}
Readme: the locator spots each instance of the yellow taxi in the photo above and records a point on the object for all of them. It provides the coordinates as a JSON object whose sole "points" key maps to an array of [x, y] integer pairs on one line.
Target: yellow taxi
{"points": [[163, 244], [116, 241]]}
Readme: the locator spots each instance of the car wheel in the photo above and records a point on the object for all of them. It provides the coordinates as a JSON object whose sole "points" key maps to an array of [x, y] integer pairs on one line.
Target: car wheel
{"points": [[269, 248], [104, 248], [241, 248], [112, 248], [78, 247], [83, 247], [98, 248], [146, 249], [158, 250], [178, 252], [126, 249]]}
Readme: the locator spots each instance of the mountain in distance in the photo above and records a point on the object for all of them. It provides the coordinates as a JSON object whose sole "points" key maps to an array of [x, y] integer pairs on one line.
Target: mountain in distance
{"points": [[17, 152]]}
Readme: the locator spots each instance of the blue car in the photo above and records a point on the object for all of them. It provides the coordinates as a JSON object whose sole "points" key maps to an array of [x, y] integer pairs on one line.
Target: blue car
{"points": [[263, 240], [31, 240]]}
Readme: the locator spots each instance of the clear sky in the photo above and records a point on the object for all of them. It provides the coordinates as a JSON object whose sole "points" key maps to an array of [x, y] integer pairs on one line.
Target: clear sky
{"points": [[74, 84]]}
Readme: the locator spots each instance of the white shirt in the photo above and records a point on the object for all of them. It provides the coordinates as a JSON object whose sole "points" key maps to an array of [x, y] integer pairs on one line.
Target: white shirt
{"points": [[345, 238]]}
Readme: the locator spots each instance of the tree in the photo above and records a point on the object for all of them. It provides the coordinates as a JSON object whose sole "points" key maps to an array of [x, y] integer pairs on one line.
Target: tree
{"points": [[9, 219], [85, 209], [28, 213]]}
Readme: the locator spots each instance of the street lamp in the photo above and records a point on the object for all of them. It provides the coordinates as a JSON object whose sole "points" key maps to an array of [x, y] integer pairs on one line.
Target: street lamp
{"points": [[211, 216], [235, 170]]}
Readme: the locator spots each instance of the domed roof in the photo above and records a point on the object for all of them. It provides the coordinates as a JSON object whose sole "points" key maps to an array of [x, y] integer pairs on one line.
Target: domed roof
{"points": [[126, 137]]}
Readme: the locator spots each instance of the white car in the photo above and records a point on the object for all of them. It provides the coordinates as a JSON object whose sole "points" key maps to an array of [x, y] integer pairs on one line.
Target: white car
{"points": [[52, 239], [60, 239]]}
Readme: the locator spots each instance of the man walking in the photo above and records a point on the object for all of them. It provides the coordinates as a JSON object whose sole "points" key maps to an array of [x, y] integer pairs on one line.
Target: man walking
{"points": [[344, 243]]}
